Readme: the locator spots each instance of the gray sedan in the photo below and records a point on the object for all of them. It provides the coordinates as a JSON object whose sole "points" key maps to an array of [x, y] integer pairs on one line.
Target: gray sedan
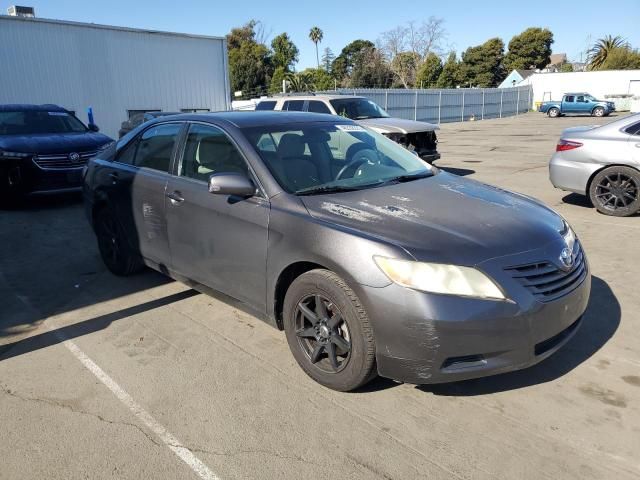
{"points": [[371, 260], [602, 162]]}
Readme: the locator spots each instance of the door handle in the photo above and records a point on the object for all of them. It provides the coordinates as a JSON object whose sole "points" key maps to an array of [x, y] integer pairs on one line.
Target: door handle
{"points": [[637, 145], [175, 197], [114, 177]]}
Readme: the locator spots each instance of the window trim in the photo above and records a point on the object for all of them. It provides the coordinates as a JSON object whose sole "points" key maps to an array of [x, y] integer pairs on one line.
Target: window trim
{"points": [[137, 139], [261, 192]]}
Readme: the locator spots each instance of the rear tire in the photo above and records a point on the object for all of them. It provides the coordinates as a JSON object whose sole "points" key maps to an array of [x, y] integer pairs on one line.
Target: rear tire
{"points": [[329, 332], [615, 191], [116, 253], [554, 112], [598, 112]]}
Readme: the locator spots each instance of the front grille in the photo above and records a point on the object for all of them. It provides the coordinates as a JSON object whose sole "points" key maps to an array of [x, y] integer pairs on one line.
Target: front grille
{"points": [[546, 281], [62, 160]]}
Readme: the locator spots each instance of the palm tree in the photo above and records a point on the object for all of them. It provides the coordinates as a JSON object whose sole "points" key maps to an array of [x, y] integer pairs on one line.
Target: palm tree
{"points": [[300, 82], [315, 35], [597, 55]]}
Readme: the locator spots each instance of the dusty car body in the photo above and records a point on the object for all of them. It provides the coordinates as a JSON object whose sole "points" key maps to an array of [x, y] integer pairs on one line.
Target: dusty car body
{"points": [[601, 162], [384, 266], [419, 137]]}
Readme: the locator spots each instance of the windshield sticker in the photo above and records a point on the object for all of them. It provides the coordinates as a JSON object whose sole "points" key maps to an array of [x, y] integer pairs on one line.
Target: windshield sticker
{"points": [[58, 114], [350, 128]]}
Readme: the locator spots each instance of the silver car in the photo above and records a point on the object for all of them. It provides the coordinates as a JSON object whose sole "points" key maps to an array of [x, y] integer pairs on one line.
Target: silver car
{"points": [[602, 162], [418, 137]]}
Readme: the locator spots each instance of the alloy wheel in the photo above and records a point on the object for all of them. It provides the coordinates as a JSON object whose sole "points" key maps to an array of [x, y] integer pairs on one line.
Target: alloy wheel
{"points": [[322, 333], [616, 191]]}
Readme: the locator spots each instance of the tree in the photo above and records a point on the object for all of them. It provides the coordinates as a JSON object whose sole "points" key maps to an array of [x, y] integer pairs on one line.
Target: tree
{"points": [[566, 67], [316, 35], [598, 53], [250, 65], [449, 77], [327, 59], [408, 46], [278, 76], [318, 79], [370, 70], [621, 58], [299, 82], [285, 53], [404, 66], [344, 63], [429, 71], [529, 49], [481, 65]]}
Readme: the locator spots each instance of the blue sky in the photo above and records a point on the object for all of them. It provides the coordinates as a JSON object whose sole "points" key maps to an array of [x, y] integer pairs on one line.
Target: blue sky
{"points": [[574, 23]]}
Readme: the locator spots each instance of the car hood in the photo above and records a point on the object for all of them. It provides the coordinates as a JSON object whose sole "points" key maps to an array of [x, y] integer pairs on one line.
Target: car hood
{"points": [[444, 218], [54, 143], [397, 125]]}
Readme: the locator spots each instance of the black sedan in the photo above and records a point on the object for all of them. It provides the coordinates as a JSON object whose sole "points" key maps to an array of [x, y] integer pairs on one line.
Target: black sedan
{"points": [[43, 149], [371, 260]]}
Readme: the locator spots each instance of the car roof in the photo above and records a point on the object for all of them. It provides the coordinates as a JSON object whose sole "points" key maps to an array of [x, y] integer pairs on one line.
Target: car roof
{"points": [[250, 118], [25, 107], [310, 97], [577, 93]]}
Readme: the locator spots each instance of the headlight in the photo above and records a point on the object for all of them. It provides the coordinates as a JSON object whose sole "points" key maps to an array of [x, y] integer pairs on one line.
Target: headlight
{"points": [[568, 235], [106, 146], [14, 154], [440, 278]]}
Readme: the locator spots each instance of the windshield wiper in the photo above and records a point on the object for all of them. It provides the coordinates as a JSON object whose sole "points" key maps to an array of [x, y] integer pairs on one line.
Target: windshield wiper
{"points": [[409, 177], [326, 189]]}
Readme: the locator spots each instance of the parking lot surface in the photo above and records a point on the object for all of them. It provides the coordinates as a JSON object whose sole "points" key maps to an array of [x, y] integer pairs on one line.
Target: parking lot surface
{"points": [[141, 377]]}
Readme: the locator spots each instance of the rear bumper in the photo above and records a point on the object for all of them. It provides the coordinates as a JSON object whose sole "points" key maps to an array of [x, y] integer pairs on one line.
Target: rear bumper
{"points": [[571, 175], [423, 338]]}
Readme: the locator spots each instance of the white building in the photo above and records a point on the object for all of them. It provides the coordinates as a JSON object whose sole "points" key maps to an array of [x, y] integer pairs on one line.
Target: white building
{"points": [[551, 86], [116, 71]]}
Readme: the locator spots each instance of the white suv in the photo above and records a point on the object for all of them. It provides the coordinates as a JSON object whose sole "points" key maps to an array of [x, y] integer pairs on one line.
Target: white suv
{"points": [[419, 137]]}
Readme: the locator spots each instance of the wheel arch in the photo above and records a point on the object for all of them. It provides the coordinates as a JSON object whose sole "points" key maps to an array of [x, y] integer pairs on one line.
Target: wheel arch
{"points": [[593, 175], [285, 279], [598, 106]]}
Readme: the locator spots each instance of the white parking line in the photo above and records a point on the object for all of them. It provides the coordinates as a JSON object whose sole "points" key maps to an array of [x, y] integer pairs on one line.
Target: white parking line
{"points": [[151, 423]]}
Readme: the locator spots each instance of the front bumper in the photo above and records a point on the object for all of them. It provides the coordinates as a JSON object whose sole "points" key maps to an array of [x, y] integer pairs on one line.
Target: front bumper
{"points": [[23, 177], [424, 338]]}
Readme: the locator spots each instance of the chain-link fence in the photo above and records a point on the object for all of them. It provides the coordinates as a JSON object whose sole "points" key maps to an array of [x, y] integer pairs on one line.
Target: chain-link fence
{"points": [[448, 105]]}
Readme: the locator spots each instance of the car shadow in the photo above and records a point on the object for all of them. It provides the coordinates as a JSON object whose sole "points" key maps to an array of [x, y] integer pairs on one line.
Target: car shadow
{"points": [[461, 172], [601, 320], [577, 200], [43, 202]]}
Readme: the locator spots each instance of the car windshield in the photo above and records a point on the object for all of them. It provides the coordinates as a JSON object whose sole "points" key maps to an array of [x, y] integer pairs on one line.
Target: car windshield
{"points": [[29, 122], [319, 157], [358, 108]]}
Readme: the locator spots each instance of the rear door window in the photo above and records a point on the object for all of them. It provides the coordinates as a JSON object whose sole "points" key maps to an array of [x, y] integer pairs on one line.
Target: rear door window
{"points": [[293, 105], [156, 145], [317, 106], [569, 98]]}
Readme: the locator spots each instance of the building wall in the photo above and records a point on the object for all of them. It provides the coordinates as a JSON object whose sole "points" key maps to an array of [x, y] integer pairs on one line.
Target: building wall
{"points": [[110, 69], [508, 82], [551, 86]]}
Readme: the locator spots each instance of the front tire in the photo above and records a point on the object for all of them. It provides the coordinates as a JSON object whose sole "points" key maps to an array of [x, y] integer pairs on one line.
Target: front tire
{"points": [[615, 191], [598, 112], [328, 331], [554, 112], [115, 251]]}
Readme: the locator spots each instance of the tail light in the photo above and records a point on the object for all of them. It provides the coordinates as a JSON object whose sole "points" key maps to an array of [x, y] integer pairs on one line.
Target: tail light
{"points": [[564, 145]]}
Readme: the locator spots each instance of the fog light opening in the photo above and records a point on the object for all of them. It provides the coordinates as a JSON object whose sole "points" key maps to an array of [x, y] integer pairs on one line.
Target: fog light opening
{"points": [[466, 361]]}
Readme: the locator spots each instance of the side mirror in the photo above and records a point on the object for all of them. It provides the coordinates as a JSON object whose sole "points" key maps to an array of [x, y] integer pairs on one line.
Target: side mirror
{"points": [[93, 127], [231, 184]]}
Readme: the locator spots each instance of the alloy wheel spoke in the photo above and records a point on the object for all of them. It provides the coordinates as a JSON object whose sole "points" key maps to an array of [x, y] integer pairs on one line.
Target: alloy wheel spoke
{"points": [[333, 358], [341, 343], [306, 332], [629, 195], [317, 351], [334, 321], [309, 315], [321, 308]]}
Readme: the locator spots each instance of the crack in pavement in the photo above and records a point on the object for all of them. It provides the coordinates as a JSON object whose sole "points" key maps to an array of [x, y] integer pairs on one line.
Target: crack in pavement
{"points": [[55, 403]]}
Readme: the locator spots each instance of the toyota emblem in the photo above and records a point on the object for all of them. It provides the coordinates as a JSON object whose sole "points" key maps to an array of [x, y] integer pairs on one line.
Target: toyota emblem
{"points": [[74, 157], [566, 257]]}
